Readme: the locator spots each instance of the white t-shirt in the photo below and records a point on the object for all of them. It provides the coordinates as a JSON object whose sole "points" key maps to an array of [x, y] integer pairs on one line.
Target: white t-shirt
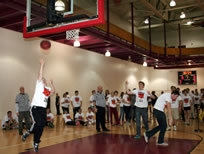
{"points": [[76, 100], [175, 103], [67, 118], [112, 101], [127, 99], [79, 116], [90, 116], [91, 99], [121, 102], [65, 104], [118, 100], [50, 116], [41, 95], [162, 100], [141, 98], [196, 99], [186, 101], [6, 118]]}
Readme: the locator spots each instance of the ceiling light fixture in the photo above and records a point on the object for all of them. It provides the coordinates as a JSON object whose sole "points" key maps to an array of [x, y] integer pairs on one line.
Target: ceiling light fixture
{"points": [[190, 22], [146, 21], [107, 54], [59, 5], [145, 62], [76, 43], [182, 16], [172, 3]]}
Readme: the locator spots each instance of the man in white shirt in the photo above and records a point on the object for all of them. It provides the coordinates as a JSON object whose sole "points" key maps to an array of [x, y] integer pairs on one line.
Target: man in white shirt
{"points": [[141, 107], [163, 100], [76, 102], [38, 107]]}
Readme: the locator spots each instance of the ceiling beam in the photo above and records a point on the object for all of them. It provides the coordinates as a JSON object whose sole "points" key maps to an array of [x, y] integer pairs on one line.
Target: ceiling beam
{"points": [[201, 5], [152, 8]]}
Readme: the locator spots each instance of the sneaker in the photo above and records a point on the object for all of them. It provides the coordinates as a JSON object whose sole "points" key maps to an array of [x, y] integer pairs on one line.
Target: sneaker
{"points": [[145, 137], [174, 128], [24, 136], [35, 147], [137, 137], [162, 144], [106, 130], [168, 128]]}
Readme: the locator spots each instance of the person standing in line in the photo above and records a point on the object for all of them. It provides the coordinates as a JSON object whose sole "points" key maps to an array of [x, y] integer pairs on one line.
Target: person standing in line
{"points": [[57, 104], [92, 101], [38, 107], [163, 100], [22, 110], [121, 108], [76, 102], [187, 106], [65, 103], [112, 101], [141, 107], [99, 97], [126, 107]]}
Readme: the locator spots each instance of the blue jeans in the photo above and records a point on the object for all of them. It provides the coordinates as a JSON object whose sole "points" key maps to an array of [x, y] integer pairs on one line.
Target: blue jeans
{"points": [[161, 119], [121, 114], [144, 113]]}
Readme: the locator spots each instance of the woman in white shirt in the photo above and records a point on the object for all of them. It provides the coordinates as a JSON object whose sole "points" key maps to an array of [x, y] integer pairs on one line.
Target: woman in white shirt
{"points": [[112, 102]]}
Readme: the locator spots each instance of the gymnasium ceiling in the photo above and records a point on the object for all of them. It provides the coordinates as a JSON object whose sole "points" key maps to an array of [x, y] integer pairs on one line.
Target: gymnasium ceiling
{"points": [[12, 13]]}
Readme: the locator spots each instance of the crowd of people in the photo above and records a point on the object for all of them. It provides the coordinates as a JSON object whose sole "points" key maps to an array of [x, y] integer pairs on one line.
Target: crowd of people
{"points": [[130, 106]]}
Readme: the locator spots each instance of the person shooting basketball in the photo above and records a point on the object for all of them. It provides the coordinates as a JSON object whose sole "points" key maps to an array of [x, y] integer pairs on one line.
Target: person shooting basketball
{"points": [[38, 107]]}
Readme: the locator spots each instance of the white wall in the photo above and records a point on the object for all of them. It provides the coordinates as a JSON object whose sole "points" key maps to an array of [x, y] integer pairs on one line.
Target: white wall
{"points": [[161, 80], [70, 68]]}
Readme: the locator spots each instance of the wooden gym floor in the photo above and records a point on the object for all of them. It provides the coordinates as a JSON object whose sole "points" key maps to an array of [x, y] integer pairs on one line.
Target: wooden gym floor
{"points": [[81, 139]]}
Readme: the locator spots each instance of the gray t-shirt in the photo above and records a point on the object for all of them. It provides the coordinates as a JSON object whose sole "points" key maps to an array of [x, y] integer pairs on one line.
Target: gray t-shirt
{"points": [[100, 99], [22, 102]]}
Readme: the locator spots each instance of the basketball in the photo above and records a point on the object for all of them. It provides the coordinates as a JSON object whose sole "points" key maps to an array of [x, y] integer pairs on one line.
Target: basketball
{"points": [[45, 44]]}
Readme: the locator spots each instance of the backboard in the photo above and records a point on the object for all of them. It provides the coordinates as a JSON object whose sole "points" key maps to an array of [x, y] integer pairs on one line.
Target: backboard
{"points": [[43, 19]]}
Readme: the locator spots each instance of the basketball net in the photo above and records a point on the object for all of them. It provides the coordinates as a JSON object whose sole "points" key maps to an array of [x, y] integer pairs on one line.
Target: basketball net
{"points": [[72, 34]]}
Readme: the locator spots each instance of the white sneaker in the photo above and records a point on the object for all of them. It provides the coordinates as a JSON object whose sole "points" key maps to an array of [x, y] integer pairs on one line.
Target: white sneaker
{"points": [[174, 128], [145, 137], [162, 144], [168, 128]]}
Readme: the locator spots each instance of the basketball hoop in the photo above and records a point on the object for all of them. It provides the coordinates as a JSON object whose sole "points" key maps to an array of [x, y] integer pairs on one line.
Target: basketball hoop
{"points": [[72, 34]]}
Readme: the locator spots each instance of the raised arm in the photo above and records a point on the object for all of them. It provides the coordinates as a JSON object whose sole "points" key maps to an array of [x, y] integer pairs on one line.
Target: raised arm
{"points": [[40, 76], [150, 95], [126, 88]]}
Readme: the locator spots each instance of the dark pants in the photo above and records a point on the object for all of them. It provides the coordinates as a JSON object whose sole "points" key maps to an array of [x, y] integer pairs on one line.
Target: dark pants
{"points": [[24, 115], [161, 119], [75, 110], [115, 113], [107, 113], [121, 114], [144, 113], [39, 118], [132, 113], [71, 123], [127, 112], [65, 109], [100, 118], [58, 109]]}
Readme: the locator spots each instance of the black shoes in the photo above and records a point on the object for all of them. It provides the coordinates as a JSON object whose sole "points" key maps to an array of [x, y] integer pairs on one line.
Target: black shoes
{"points": [[35, 147], [25, 136], [106, 130]]}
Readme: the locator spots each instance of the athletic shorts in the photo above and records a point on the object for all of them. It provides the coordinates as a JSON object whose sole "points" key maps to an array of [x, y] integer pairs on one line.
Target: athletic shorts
{"points": [[187, 108], [196, 106], [175, 113]]}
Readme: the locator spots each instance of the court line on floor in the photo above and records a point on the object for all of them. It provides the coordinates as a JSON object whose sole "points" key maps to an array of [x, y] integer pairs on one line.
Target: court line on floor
{"points": [[45, 139]]}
